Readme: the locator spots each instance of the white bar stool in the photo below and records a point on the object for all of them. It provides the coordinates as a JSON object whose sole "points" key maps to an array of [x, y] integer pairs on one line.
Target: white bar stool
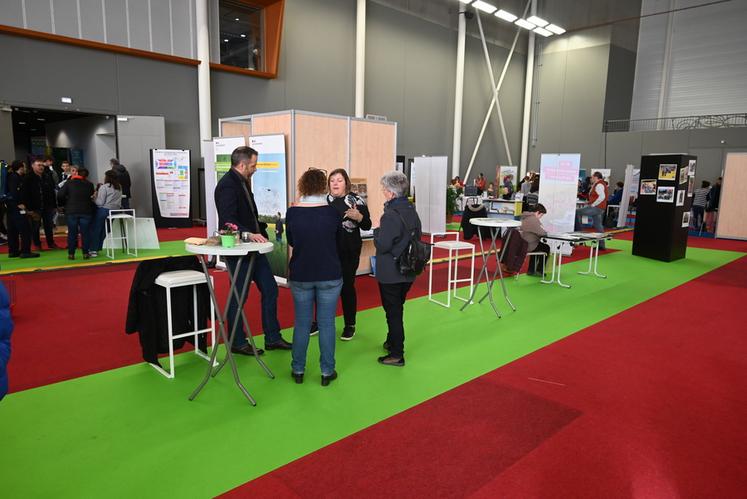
{"points": [[124, 216], [178, 279], [454, 247]]}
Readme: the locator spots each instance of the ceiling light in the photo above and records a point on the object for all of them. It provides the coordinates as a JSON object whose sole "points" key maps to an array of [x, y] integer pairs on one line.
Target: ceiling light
{"points": [[538, 21], [484, 6], [243, 35], [466, 1], [225, 40], [524, 24], [555, 29], [21, 122], [236, 19], [543, 32], [506, 16], [66, 100], [40, 119]]}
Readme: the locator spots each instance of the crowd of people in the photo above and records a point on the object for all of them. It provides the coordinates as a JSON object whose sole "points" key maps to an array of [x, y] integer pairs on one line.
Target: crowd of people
{"points": [[37, 196], [323, 228]]}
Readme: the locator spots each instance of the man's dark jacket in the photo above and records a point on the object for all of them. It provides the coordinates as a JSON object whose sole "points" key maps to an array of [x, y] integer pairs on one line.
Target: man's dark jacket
{"points": [[235, 203], [146, 312], [31, 192], [75, 196]]}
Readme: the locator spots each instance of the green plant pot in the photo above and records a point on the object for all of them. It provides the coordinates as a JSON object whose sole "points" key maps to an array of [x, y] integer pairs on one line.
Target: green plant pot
{"points": [[228, 241]]}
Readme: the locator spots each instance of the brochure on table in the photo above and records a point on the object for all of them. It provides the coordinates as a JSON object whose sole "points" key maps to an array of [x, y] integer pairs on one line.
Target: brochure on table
{"points": [[558, 189], [171, 181], [269, 186]]}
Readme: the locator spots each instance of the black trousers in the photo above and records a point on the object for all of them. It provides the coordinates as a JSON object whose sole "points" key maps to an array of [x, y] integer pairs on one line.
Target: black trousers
{"points": [[349, 263], [393, 298], [538, 260], [18, 229], [48, 220]]}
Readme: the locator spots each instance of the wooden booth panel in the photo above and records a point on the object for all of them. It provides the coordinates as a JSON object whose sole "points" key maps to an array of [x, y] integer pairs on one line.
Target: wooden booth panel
{"points": [[731, 222], [236, 129], [320, 142], [372, 154]]}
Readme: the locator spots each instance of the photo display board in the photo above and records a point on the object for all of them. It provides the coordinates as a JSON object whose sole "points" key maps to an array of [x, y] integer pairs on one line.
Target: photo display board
{"points": [[663, 208], [558, 190], [269, 186]]}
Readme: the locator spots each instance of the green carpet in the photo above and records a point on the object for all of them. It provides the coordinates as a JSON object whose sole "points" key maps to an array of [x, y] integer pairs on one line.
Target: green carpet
{"points": [[55, 259], [131, 432]]}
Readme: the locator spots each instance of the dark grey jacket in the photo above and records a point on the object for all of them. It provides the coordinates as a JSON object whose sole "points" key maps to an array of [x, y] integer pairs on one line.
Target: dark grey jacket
{"points": [[391, 239]]}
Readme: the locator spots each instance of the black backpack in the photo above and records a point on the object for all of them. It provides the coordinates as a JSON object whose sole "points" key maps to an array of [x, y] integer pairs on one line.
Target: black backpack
{"points": [[415, 257]]}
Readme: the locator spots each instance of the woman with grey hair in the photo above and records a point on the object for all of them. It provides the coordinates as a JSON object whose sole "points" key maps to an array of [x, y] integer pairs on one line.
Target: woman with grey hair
{"points": [[391, 240]]}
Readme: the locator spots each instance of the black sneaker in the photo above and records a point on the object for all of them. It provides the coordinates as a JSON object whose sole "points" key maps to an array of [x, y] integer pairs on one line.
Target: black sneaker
{"points": [[298, 377], [314, 329], [29, 255], [347, 333], [278, 345], [246, 350], [388, 360], [326, 380]]}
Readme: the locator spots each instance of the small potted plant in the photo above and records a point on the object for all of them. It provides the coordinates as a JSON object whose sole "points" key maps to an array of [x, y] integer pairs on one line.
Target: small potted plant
{"points": [[228, 235]]}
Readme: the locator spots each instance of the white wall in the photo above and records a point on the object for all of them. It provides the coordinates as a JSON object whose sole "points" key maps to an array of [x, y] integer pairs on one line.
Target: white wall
{"points": [[95, 135]]}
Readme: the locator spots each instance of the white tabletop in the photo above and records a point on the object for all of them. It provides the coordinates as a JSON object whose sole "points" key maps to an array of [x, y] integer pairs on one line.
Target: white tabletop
{"points": [[494, 222], [238, 250]]}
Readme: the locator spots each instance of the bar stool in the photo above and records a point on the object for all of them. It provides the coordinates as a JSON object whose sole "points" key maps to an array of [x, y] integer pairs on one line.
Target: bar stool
{"points": [[123, 216], [454, 247], [178, 279]]}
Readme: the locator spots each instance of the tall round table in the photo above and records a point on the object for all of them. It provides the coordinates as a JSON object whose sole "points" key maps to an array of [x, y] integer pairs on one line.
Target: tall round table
{"points": [[240, 250], [494, 225]]}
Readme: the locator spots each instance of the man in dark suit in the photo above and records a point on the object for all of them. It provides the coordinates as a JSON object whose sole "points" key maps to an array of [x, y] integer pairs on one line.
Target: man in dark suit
{"points": [[235, 203]]}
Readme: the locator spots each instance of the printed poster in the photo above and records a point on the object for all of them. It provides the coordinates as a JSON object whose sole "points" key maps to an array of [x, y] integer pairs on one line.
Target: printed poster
{"points": [[269, 186], [558, 189], [223, 147], [171, 179], [668, 172], [512, 172]]}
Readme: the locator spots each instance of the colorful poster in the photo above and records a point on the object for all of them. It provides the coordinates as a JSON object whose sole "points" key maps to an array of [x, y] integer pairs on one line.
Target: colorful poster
{"points": [[648, 187], [668, 172], [171, 179], [507, 172], [223, 147], [558, 189], [665, 194], [269, 186]]}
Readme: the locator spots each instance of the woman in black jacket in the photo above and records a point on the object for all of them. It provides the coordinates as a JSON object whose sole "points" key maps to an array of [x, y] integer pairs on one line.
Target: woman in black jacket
{"points": [[391, 240], [77, 198], [355, 217], [18, 222]]}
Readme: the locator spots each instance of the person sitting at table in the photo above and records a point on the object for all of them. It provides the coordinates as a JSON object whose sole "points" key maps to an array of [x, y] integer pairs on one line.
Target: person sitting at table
{"points": [[235, 204], [597, 205], [617, 196], [532, 231], [391, 239], [491, 190], [315, 272]]}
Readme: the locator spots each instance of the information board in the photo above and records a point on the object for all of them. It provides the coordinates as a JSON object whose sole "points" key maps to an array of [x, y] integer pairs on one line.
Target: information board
{"points": [[558, 190]]}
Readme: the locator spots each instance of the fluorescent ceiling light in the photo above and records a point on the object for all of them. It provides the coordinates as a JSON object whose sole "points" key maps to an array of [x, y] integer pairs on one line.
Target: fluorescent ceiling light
{"points": [[66, 100], [225, 40], [466, 1], [484, 6], [555, 29], [538, 21], [243, 35], [21, 122], [506, 16], [524, 24], [543, 32]]}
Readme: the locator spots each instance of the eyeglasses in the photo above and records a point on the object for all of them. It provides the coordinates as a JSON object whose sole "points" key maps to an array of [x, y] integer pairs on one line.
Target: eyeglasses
{"points": [[318, 169]]}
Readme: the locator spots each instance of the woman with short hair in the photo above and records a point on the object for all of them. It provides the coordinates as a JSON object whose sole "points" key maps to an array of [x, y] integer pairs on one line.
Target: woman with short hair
{"points": [[391, 239], [355, 217], [315, 274]]}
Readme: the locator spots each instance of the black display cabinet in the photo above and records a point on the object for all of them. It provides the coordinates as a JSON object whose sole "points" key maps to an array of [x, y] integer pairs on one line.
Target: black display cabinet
{"points": [[665, 195]]}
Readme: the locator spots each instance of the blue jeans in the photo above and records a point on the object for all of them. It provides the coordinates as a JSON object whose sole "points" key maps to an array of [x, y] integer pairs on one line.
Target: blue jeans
{"points": [[305, 295], [596, 215], [97, 232], [75, 224], [268, 288]]}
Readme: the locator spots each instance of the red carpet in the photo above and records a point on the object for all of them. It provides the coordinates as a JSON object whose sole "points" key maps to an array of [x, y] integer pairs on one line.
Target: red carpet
{"points": [[648, 403], [50, 346]]}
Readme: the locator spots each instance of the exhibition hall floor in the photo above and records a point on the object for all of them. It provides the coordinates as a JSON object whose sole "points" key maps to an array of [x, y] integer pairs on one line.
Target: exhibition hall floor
{"points": [[629, 386]]}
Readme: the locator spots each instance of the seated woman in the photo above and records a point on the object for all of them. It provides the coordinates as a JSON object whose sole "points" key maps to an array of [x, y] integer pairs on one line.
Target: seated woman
{"points": [[391, 240], [531, 231], [315, 273]]}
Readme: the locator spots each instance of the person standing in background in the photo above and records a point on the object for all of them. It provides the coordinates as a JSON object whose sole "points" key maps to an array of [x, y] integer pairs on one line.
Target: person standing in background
{"points": [[279, 229], [711, 210], [700, 199], [76, 196], [124, 181], [108, 197], [598, 196], [18, 223]]}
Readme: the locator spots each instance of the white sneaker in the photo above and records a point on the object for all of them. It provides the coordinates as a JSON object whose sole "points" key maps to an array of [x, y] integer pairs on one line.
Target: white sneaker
{"points": [[93, 254]]}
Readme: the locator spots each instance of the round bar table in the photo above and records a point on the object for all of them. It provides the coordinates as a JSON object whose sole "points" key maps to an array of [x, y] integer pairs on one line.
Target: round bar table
{"points": [[240, 250]]}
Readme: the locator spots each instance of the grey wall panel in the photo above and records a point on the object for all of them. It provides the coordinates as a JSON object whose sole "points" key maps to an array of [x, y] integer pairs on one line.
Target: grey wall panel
{"points": [[666, 141], [7, 150], [66, 18], [89, 75], [92, 20], [181, 22], [620, 79], [710, 164], [160, 26], [116, 22], [136, 137], [319, 75], [623, 149], [39, 15], [139, 24], [12, 14]]}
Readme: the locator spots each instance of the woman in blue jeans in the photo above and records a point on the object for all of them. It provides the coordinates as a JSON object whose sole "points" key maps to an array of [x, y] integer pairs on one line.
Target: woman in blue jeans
{"points": [[108, 197], [315, 273]]}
